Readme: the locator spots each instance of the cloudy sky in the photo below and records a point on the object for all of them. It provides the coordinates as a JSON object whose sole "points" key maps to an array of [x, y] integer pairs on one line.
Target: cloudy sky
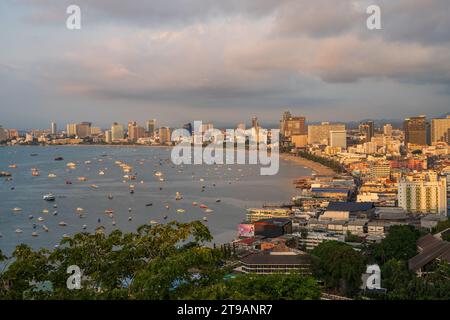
{"points": [[221, 61]]}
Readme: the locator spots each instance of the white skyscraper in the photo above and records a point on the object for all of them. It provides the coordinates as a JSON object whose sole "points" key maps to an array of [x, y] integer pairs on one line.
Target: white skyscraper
{"points": [[53, 128], [117, 132], [338, 138]]}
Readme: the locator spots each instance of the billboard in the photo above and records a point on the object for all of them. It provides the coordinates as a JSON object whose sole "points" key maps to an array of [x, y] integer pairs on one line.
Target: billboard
{"points": [[246, 230]]}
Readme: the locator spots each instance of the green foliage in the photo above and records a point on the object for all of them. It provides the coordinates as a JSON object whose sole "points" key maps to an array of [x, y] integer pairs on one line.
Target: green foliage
{"points": [[332, 164], [442, 225], [339, 266], [262, 287], [399, 244]]}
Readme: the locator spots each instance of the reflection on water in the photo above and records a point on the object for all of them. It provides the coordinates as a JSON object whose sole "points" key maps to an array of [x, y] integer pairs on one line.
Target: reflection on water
{"points": [[106, 189]]}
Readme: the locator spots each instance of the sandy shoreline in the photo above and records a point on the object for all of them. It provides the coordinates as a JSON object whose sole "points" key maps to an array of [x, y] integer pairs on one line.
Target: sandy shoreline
{"points": [[318, 168]]}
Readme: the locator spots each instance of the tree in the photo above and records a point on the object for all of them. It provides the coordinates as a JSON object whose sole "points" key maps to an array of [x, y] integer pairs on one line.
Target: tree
{"points": [[395, 278], [442, 225], [262, 287], [399, 244], [339, 266]]}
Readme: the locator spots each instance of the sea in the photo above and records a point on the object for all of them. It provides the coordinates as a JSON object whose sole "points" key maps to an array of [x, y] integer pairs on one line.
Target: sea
{"points": [[228, 190]]}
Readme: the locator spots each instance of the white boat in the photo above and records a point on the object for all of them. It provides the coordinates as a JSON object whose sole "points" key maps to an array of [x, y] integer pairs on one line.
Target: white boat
{"points": [[80, 209], [158, 174], [181, 211], [178, 196], [209, 210], [19, 231], [82, 179], [49, 197], [84, 227], [94, 186], [45, 211], [45, 228], [71, 165], [101, 173], [62, 224], [153, 222], [17, 209], [34, 234], [52, 175], [40, 219], [205, 219], [194, 203]]}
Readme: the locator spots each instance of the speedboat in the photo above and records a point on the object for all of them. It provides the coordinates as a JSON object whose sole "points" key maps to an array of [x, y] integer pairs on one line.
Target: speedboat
{"points": [[40, 219], [52, 175], [34, 234], [110, 196], [101, 173], [45, 211], [181, 210], [16, 209], [68, 182], [205, 219], [178, 196], [153, 222], [158, 174], [49, 197], [109, 211], [194, 203], [209, 210], [19, 231], [44, 227], [80, 209], [203, 206], [149, 204], [84, 227], [59, 158], [62, 224], [218, 200], [12, 166]]}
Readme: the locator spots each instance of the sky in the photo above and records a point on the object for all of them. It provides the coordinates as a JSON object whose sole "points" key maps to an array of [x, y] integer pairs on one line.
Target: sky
{"points": [[221, 61]]}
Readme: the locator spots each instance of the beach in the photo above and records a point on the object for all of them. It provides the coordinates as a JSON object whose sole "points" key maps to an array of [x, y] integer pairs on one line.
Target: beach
{"points": [[318, 168]]}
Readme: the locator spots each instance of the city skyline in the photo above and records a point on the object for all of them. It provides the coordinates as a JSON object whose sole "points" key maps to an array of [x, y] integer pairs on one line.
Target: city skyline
{"points": [[210, 60]]}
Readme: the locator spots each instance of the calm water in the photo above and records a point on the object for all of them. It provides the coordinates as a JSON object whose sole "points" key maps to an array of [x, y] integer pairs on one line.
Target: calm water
{"points": [[238, 186]]}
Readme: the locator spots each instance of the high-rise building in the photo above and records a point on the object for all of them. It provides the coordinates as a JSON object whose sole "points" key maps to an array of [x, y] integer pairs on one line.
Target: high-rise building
{"points": [[117, 132], [424, 194], [367, 129], [3, 134], [440, 130], [255, 123], [135, 132], [83, 129], [320, 134], [338, 138], [241, 126], [53, 128], [108, 136], [151, 127], [416, 130], [188, 127], [71, 129], [387, 130], [164, 135], [292, 126]]}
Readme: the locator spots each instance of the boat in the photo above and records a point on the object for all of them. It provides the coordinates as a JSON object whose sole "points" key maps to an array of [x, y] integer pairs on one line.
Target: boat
{"points": [[84, 227], [153, 222], [129, 218], [12, 166], [110, 196], [178, 196], [205, 219], [49, 197], [62, 224], [5, 174], [218, 200], [113, 223], [94, 186], [68, 182], [44, 227], [34, 234], [158, 174], [40, 219], [19, 231], [17, 209], [203, 206], [167, 207], [35, 172], [149, 204], [71, 165], [30, 216], [52, 175], [209, 210], [80, 209], [132, 191], [33, 154], [87, 162], [194, 203], [59, 159], [165, 217], [181, 210], [82, 179], [45, 211], [101, 173], [109, 211]]}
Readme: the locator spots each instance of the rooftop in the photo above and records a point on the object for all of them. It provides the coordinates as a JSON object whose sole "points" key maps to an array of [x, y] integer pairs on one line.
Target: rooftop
{"points": [[350, 206]]}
